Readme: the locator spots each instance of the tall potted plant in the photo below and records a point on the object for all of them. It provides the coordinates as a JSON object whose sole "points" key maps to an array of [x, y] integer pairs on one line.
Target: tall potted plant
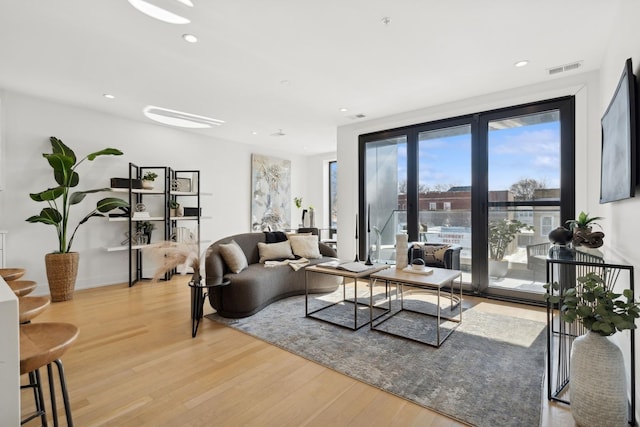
{"points": [[501, 233], [598, 392], [62, 265]]}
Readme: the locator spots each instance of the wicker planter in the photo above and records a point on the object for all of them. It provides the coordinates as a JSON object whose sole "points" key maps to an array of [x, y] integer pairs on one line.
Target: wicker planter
{"points": [[62, 270]]}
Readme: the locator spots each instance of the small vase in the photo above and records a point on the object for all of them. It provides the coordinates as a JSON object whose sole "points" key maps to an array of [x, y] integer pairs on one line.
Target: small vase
{"points": [[402, 251], [179, 211], [597, 382], [147, 185]]}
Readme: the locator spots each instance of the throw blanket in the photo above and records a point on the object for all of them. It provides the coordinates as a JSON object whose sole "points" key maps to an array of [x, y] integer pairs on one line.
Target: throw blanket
{"points": [[296, 264], [274, 236]]}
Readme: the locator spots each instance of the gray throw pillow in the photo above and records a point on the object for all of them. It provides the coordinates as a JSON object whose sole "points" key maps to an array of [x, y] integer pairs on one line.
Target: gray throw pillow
{"points": [[274, 251]]}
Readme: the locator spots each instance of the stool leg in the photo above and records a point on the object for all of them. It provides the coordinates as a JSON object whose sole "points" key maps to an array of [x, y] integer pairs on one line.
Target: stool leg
{"points": [[65, 393], [38, 398], [52, 393]]}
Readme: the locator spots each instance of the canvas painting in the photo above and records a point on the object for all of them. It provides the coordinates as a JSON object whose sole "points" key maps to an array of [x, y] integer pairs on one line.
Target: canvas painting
{"points": [[270, 193]]}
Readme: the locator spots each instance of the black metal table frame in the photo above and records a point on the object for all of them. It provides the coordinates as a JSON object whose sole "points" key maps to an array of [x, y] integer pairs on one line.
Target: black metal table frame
{"points": [[344, 299], [198, 297], [424, 288]]}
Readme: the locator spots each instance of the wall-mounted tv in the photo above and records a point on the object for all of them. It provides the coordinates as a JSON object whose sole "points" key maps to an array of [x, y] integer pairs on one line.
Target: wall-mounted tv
{"points": [[618, 167]]}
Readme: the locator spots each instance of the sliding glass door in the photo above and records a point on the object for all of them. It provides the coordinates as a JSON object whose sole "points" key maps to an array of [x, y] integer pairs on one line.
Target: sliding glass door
{"points": [[472, 181]]}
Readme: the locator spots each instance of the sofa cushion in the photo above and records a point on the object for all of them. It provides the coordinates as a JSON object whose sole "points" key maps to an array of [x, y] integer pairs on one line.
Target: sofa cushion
{"points": [[305, 246], [274, 251], [434, 254], [233, 256]]}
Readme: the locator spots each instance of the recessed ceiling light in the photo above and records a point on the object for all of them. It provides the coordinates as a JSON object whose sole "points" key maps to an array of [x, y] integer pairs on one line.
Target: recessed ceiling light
{"points": [[158, 13], [179, 118], [254, 133], [521, 63], [190, 38], [108, 96], [344, 110]]}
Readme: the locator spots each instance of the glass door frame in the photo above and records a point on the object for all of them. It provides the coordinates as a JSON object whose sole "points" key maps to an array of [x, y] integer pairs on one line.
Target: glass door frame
{"points": [[479, 178]]}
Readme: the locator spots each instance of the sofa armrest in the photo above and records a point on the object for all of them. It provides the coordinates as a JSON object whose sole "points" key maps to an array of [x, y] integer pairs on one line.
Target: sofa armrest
{"points": [[214, 265]]}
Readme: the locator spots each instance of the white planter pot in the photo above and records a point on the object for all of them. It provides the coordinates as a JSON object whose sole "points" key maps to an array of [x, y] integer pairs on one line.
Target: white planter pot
{"points": [[597, 382], [498, 268], [147, 185]]}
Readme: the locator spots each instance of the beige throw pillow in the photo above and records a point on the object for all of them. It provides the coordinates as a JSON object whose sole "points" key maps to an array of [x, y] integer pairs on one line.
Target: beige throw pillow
{"points": [[233, 256], [274, 251], [305, 246]]}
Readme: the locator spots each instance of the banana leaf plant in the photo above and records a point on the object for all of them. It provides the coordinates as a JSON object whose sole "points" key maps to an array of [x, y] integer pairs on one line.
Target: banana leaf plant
{"points": [[60, 198]]}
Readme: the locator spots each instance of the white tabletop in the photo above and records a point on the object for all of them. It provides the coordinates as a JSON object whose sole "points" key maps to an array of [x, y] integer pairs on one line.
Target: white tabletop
{"points": [[439, 278]]}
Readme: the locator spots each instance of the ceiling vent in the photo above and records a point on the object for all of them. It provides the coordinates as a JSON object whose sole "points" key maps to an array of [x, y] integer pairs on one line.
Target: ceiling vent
{"points": [[564, 68], [357, 116]]}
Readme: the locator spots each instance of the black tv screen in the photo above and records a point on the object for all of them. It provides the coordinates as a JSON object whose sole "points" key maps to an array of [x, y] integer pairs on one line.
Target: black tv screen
{"points": [[618, 166]]}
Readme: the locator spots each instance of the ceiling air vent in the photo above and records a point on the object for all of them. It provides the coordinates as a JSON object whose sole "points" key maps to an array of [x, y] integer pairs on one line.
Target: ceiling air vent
{"points": [[563, 68], [357, 116]]}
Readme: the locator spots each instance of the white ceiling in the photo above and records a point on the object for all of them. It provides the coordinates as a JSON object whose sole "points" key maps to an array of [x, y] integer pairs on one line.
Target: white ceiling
{"points": [[332, 53]]}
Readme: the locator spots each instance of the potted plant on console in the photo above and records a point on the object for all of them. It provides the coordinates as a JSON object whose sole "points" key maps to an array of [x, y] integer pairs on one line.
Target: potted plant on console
{"points": [[597, 377], [582, 229], [62, 265], [501, 233]]}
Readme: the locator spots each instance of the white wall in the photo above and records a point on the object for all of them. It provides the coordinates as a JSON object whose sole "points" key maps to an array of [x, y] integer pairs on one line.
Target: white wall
{"points": [[28, 122]]}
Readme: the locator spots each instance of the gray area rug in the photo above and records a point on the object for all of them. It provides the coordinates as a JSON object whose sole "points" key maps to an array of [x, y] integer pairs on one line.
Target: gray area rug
{"points": [[488, 372]]}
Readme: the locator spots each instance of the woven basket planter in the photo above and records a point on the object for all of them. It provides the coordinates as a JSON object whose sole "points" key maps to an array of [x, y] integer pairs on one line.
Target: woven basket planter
{"points": [[62, 270]]}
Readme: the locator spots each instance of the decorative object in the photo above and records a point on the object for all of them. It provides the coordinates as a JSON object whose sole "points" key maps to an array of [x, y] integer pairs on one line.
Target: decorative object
{"points": [[560, 236], [312, 217], [63, 161], [141, 211], [501, 233], [270, 193], [452, 380], [146, 227], [618, 174], [148, 179], [298, 203], [582, 231], [368, 262], [597, 377], [402, 250], [183, 185], [173, 208], [357, 258]]}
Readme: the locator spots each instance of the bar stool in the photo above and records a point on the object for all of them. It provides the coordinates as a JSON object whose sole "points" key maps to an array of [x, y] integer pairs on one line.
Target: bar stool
{"points": [[30, 307], [22, 287], [9, 274], [43, 344]]}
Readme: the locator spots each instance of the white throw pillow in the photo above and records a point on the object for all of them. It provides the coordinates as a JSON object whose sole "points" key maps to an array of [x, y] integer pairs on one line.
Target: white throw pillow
{"points": [[274, 251], [305, 246], [233, 256]]}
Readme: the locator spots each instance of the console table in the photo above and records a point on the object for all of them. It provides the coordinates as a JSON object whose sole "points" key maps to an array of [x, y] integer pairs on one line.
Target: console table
{"points": [[564, 266]]}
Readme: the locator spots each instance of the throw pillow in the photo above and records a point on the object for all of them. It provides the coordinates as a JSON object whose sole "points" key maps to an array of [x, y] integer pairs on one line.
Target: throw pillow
{"points": [[434, 254], [274, 251], [305, 246], [233, 256]]}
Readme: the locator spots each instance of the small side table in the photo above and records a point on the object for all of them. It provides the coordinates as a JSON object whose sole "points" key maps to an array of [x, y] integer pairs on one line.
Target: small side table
{"points": [[198, 297]]}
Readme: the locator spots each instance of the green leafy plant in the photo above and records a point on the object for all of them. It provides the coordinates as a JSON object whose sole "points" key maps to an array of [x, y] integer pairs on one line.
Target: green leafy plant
{"points": [[596, 306], [174, 204], [150, 176], [298, 202], [501, 233], [60, 199], [583, 221]]}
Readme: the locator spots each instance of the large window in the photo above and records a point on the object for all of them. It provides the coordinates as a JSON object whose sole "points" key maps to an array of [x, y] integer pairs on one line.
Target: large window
{"points": [[333, 197], [456, 180]]}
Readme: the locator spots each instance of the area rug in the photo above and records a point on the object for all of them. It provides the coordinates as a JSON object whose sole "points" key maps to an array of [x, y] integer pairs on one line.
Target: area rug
{"points": [[488, 372]]}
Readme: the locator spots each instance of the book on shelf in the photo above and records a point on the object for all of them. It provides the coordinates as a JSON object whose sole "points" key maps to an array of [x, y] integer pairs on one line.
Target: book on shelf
{"points": [[354, 267]]}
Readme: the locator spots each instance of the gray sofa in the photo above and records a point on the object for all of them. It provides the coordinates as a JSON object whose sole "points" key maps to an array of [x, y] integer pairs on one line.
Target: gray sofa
{"points": [[258, 286]]}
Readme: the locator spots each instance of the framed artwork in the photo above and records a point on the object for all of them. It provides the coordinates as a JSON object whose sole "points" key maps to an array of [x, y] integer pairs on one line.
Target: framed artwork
{"points": [[618, 166], [270, 193]]}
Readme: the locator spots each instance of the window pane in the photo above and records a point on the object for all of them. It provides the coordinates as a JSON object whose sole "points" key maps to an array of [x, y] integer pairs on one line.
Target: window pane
{"points": [[524, 166], [386, 166], [333, 197]]}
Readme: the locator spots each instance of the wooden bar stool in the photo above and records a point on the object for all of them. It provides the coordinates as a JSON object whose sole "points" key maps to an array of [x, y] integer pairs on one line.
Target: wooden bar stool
{"points": [[43, 344], [22, 287], [9, 274], [30, 307]]}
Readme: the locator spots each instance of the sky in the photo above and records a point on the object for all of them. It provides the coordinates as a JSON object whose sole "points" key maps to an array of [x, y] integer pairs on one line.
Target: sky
{"points": [[516, 153]]}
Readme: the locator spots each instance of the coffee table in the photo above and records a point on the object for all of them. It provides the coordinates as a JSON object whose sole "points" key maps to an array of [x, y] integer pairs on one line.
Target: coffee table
{"points": [[438, 279], [317, 269]]}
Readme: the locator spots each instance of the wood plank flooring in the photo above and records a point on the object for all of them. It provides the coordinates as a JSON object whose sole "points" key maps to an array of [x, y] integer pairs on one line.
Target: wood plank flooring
{"points": [[135, 364]]}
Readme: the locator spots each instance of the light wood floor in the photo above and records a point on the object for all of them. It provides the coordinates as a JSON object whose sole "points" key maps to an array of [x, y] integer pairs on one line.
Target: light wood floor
{"points": [[135, 364]]}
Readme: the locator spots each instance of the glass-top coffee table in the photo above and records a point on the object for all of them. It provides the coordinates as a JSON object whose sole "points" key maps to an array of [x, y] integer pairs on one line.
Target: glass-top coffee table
{"points": [[438, 279]]}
